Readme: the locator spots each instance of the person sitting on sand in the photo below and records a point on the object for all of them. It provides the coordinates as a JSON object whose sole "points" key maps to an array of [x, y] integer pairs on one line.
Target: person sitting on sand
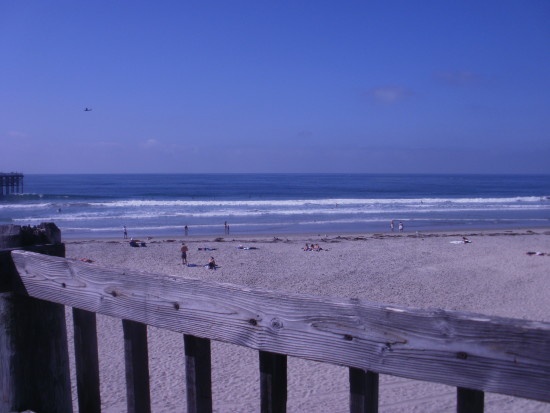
{"points": [[211, 264], [318, 247], [134, 243], [466, 240]]}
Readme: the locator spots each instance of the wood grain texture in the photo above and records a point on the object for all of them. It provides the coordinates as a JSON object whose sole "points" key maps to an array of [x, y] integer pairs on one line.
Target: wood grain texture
{"points": [[9, 278], [474, 351]]}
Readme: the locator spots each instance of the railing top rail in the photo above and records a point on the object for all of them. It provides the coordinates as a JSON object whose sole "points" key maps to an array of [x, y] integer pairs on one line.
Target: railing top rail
{"points": [[494, 354]]}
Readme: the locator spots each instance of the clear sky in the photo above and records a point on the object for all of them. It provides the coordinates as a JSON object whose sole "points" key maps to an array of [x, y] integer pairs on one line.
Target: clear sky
{"points": [[275, 86]]}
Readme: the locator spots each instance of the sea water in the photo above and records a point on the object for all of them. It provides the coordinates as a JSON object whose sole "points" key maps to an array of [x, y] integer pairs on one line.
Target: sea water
{"points": [[161, 205]]}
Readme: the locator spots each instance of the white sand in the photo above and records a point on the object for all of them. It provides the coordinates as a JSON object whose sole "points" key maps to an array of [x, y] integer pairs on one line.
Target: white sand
{"points": [[492, 275]]}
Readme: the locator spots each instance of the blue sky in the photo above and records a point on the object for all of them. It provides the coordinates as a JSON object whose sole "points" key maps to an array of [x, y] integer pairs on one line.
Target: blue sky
{"points": [[265, 86]]}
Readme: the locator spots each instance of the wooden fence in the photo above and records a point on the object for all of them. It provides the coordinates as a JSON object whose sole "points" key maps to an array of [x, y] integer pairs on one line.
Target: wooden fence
{"points": [[475, 353]]}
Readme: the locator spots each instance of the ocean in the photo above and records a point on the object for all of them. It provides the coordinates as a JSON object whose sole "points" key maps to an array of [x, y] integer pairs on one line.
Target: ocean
{"points": [[150, 205]]}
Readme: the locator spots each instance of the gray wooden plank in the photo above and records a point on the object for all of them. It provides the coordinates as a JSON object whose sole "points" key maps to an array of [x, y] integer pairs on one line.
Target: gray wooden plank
{"points": [[363, 391], [136, 358], [273, 382], [9, 278], [198, 374], [474, 351], [86, 361]]}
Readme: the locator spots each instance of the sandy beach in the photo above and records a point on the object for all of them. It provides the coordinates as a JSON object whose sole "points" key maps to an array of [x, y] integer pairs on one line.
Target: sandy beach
{"points": [[491, 275]]}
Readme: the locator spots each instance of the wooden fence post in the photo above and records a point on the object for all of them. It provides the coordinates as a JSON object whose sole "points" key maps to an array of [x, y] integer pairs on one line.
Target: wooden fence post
{"points": [[273, 382], [198, 367], [469, 401], [87, 361], [136, 356], [34, 360], [363, 391]]}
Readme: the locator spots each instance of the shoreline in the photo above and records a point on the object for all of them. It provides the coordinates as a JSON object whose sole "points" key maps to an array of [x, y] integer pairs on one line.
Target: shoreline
{"points": [[328, 235], [197, 231]]}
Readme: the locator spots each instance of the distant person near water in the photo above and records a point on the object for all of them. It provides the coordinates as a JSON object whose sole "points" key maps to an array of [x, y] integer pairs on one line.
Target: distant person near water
{"points": [[184, 250], [392, 226], [186, 230], [125, 232], [226, 227], [401, 226]]}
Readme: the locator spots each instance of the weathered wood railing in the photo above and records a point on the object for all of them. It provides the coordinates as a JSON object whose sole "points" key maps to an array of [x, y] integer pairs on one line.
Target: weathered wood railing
{"points": [[475, 353]]}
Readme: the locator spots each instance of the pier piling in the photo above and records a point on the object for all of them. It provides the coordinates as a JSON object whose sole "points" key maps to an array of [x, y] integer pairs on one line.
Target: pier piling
{"points": [[11, 183]]}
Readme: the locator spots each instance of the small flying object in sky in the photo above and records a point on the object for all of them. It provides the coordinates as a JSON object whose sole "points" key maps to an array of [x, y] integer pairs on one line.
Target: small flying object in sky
{"points": [[87, 110]]}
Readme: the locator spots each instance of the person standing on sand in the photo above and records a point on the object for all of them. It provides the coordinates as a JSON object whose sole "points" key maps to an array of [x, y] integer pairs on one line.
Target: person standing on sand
{"points": [[186, 230], [401, 226], [125, 232], [184, 250], [391, 225]]}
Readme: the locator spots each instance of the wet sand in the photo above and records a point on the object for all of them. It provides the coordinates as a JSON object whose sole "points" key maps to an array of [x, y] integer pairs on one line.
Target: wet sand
{"points": [[491, 275]]}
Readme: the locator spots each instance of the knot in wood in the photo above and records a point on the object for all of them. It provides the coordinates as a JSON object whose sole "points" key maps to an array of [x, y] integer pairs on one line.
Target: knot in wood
{"points": [[276, 324], [176, 306], [461, 355], [252, 322], [347, 337], [113, 293], [63, 285]]}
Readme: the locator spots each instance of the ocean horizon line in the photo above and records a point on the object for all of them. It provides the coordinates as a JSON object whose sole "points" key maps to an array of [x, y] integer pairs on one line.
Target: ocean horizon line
{"points": [[301, 173]]}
